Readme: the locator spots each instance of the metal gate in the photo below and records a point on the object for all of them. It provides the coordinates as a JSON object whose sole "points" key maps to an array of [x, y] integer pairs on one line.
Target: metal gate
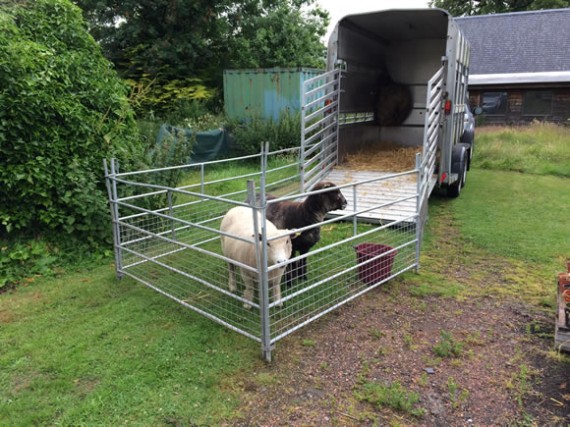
{"points": [[432, 139], [319, 127]]}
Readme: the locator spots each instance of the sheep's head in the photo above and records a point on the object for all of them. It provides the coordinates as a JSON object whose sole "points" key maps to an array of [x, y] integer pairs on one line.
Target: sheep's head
{"points": [[330, 200], [279, 246]]}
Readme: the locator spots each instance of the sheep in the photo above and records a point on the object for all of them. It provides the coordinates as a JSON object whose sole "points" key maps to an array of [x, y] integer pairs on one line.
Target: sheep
{"points": [[293, 215], [238, 222]]}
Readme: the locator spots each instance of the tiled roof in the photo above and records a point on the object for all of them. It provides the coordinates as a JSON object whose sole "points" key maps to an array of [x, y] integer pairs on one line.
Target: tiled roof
{"points": [[521, 42]]}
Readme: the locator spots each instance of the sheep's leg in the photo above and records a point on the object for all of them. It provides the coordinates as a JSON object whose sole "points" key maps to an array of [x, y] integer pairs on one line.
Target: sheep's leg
{"points": [[301, 272], [232, 279], [289, 274], [248, 291], [297, 269], [291, 271], [276, 289]]}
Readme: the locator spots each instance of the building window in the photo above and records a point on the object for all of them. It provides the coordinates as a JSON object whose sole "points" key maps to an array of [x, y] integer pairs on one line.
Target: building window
{"points": [[494, 102], [537, 102]]}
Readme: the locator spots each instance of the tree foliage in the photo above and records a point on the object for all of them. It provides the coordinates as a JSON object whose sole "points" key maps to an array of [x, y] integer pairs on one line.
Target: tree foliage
{"points": [[178, 49], [484, 7], [62, 110]]}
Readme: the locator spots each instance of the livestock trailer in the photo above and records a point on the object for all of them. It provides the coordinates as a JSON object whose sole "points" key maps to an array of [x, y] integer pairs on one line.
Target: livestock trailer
{"points": [[396, 79]]}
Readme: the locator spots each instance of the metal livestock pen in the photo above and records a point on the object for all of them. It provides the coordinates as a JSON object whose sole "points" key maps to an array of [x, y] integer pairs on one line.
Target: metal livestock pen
{"points": [[168, 238]]}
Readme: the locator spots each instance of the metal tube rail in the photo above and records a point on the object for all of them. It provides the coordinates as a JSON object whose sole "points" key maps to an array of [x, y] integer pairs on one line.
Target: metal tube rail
{"points": [[189, 165], [177, 190], [308, 288], [309, 140], [196, 309], [334, 307]]}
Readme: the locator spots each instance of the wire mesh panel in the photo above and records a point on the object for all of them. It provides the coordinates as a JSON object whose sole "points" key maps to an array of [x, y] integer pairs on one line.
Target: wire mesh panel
{"points": [[350, 259], [170, 240]]}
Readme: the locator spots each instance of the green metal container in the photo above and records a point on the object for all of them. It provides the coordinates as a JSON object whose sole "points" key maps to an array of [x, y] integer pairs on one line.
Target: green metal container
{"points": [[264, 92]]}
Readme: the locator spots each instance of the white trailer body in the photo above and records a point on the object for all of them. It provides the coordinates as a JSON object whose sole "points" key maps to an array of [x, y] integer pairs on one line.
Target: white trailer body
{"points": [[423, 50]]}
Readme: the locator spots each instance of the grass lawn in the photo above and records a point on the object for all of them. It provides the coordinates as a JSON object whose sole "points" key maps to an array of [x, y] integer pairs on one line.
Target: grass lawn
{"points": [[88, 349], [84, 348], [517, 215]]}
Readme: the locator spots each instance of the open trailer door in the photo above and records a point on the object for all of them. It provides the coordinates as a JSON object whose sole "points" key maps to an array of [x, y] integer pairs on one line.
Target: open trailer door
{"points": [[319, 127]]}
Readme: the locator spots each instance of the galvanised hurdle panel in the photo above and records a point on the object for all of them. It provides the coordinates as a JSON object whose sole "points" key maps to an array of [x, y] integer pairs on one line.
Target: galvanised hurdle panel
{"points": [[169, 239]]}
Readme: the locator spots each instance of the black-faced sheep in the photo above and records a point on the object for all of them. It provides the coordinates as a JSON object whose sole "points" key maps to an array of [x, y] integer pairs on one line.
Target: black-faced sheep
{"points": [[238, 222], [293, 215]]}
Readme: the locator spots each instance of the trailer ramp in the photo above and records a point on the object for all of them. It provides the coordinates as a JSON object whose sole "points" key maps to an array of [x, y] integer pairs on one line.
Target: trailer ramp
{"points": [[384, 198]]}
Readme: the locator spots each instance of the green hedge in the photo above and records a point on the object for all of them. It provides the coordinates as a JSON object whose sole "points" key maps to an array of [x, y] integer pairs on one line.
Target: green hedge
{"points": [[63, 109]]}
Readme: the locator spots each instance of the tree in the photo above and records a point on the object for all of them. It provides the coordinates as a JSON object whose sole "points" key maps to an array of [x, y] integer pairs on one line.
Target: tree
{"points": [[182, 46], [62, 110], [281, 37], [483, 7]]}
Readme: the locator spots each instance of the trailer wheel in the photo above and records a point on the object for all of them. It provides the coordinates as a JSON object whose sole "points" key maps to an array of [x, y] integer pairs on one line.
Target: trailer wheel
{"points": [[471, 150], [459, 158], [468, 155]]}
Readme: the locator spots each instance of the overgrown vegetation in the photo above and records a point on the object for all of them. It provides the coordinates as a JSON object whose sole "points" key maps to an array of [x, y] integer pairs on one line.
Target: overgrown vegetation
{"points": [[24, 259], [285, 132], [541, 148], [173, 52], [63, 110]]}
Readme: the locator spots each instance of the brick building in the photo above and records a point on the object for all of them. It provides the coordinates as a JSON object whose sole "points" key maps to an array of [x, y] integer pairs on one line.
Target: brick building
{"points": [[520, 66]]}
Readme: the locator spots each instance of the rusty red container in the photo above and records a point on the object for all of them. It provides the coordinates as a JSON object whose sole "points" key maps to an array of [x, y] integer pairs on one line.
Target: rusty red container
{"points": [[380, 263]]}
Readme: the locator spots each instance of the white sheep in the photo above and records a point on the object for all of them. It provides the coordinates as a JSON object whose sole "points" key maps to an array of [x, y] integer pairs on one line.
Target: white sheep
{"points": [[238, 222]]}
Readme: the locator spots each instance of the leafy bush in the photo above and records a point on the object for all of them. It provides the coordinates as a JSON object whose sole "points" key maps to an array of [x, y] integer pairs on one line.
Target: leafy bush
{"points": [[283, 133], [167, 98], [175, 148], [63, 110], [24, 259]]}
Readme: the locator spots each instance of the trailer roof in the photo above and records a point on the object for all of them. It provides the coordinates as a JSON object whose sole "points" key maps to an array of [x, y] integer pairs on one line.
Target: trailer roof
{"points": [[399, 24]]}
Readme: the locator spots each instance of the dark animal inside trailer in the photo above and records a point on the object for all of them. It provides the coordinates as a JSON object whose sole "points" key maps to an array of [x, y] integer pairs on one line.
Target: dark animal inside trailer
{"points": [[395, 102]]}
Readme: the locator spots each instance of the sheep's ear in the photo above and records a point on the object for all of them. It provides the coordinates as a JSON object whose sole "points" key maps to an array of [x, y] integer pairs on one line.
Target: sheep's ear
{"points": [[294, 234]]}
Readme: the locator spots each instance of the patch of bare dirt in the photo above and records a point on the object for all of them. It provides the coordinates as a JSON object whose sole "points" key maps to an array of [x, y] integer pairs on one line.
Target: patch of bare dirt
{"points": [[504, 371], [502, 376]]}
